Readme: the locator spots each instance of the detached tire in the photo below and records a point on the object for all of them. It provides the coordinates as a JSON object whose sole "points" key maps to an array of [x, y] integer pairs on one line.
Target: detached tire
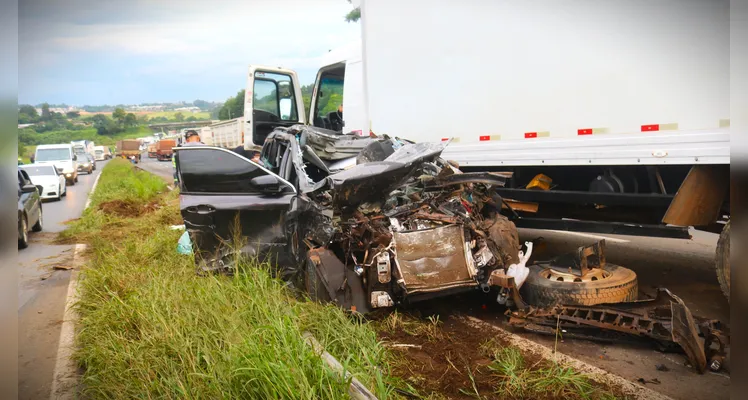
{"points": [[722, 260], [619, 285]]}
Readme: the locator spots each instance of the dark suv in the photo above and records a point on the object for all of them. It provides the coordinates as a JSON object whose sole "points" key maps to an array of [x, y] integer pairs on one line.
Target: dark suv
{"points": [[29, 208], [364, 222]]}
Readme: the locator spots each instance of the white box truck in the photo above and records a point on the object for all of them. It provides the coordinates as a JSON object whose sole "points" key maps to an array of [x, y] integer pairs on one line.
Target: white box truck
{"points": [[612, 116]]}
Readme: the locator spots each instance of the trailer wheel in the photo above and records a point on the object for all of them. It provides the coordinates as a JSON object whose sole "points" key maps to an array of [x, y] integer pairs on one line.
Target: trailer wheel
{"points": [[546, 286], [723, 260]]}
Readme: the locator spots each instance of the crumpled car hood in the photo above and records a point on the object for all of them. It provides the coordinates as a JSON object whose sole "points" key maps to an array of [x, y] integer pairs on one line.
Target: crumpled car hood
{"points": [[360, 183]]}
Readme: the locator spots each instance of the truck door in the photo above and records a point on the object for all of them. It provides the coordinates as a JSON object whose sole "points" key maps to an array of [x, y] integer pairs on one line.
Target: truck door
{"points": [[327, 98], [230, 204], [272, 99]]}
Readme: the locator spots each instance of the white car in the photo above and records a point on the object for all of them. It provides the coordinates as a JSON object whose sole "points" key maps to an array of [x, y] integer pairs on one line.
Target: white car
{"points": [[54, 185]]}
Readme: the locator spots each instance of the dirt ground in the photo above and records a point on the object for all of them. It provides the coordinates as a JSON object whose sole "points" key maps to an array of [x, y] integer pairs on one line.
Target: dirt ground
{"points": [[126, 209], [450, 359]]}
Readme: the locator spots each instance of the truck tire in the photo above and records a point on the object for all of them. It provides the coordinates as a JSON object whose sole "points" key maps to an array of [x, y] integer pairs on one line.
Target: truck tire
{"points": [[619, 285], [722, 260]]}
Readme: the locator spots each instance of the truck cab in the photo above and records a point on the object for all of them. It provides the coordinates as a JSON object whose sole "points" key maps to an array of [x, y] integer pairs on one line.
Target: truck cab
{"points": [[276, 99]]}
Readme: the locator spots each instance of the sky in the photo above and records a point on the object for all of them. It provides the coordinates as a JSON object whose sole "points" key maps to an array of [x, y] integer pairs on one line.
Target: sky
{"points": [[86, 52]]}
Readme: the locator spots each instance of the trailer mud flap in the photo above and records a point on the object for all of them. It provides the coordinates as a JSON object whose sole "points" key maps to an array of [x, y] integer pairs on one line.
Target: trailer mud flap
{"points": [[700, 196]]}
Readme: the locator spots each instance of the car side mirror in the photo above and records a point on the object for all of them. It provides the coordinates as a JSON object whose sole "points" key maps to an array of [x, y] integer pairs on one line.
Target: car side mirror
{"points": [[266, 184], [75, 158], [29, 188], [41, 189]]}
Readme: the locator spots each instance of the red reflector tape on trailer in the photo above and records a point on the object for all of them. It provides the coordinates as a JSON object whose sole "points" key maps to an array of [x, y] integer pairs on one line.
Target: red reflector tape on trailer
{"points": [[529, 135], [586, 131], [650, 128], [444, 139], [485, 138]]}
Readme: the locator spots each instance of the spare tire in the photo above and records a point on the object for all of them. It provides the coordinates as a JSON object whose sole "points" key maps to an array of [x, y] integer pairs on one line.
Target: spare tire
{"points": [[546, 286]]}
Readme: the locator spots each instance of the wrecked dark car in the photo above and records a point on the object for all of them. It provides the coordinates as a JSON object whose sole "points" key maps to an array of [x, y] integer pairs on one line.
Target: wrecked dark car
{"points": [[365, 222]]}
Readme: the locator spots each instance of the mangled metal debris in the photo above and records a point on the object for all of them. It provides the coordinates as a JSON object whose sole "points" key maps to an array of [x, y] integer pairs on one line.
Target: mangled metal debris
{"points": [[665, 319], [410, 225]]}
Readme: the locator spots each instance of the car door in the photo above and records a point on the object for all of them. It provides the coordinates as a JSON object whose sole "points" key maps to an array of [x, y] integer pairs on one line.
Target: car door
{"points": [[230, 204], [31, 201]]}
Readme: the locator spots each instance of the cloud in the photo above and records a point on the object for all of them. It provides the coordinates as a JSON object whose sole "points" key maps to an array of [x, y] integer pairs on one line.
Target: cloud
{"points": [[173, 43]]}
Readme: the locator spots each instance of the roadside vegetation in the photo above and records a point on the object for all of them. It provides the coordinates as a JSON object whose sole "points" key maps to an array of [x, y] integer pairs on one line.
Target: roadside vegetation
{"points": [[101, 127], [28, 139], [151, 328]]}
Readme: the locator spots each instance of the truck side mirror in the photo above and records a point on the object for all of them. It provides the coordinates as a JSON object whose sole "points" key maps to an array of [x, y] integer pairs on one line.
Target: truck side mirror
{"points": [[75, 158]]}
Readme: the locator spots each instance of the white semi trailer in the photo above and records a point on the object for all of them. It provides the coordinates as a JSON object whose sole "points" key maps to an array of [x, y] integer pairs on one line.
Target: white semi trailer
{"points": [[612, 116]]}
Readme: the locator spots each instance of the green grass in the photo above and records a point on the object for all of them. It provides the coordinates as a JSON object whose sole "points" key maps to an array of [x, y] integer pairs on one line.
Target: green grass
{"points": [[544, 379], [151, 328]]}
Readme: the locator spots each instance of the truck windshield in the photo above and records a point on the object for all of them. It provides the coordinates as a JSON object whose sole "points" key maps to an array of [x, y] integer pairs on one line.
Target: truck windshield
{"points": [[99, 152], [330, 96], [274, 94], [52, 155]]}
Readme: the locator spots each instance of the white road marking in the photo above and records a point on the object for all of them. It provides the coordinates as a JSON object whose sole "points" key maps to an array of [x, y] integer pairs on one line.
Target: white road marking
{"points": [[65, 377], [93, 188], [597, 237]]}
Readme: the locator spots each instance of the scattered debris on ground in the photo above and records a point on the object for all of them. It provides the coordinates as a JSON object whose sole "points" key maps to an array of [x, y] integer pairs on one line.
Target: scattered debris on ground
{"points": [[127, 209]]}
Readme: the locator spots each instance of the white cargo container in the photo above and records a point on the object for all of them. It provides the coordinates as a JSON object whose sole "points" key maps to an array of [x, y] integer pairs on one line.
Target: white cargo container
{"points": [[206, 135], [557, 74], [229, 133]]}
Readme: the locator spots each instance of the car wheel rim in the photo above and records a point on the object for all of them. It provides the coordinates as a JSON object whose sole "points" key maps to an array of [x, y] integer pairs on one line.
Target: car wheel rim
{"points": [[595, 274]]}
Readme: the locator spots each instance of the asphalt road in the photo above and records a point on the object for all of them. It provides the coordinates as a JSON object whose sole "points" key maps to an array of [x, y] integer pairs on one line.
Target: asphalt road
{"points": [[42, 290], [163, 169]]}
